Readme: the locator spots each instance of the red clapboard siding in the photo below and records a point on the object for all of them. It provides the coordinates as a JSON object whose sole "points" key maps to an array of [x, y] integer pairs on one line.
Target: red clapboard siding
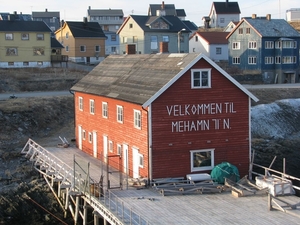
{"points": [[118, 133], [171, 150]]}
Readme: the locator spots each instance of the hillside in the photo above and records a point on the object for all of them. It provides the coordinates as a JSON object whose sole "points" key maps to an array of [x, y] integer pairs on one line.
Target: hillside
{"points": [[275, 131]]}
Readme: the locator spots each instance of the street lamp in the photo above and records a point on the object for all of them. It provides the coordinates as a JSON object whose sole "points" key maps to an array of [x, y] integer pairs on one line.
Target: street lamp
{"points": [[179, 34]]}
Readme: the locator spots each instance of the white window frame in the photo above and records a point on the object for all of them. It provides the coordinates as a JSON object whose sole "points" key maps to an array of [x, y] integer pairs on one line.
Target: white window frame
{"points": [[236, 60], [141, 161], [289, 59], [236, 45], [269, 60], [248, 30], [252, 44], [218, 50], [24, 36], [269, 44], [289, 44], [80, 103], [137, 119], [97, 48], [119, 149], [111, 146], [165, 38], [92, 106], [153, 42], [83, 134], [202, 168], [277, 59], [67, 48], [104, 110], [9, 36], [278, 44], [82, 48], [200, 82], [40, 37], [252, 60], [120, 116], [90, 137]]}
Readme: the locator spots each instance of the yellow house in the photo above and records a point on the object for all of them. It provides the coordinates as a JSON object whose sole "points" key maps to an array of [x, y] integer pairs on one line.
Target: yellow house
{"points": [[24, 44], [84, 42]]}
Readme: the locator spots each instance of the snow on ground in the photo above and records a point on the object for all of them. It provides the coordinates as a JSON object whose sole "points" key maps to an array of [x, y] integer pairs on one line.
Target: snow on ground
{"points": [[280, 119]]}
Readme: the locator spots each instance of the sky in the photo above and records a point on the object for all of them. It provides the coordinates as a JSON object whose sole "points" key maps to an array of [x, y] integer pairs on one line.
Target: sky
{"points": [[75, 10]]}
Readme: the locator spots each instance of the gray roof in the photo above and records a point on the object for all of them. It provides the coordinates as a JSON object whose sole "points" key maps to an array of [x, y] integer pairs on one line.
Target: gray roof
{"points": [[15, 16], [45, 14], [105, 12], [142, 78], [55, 43], [227, 7], [85, 29], [272, 27], [29, 26], [175, 24], [169, 9], [180, 12], [190, 25]]}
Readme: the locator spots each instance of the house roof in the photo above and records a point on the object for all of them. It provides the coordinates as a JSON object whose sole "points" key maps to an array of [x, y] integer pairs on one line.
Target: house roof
{"points": [[55, 43], [169, 9], [45, 14], [85, 29], [180, 12], [175, 24], [15, 16], [190, 25], [213, 37], [105, 12], [16, 25], [227, 7], [269, 28], [142, 78]]}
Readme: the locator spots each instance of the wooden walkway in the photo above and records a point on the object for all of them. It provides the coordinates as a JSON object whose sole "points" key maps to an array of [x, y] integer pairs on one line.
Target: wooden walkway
{"points": [[153, 208]]}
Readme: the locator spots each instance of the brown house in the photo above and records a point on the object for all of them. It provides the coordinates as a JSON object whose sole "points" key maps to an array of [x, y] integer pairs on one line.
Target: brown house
{"points": [[164, 115], [84, 42]]}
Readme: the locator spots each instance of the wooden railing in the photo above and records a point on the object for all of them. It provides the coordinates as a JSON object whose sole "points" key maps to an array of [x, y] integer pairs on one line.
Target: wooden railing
{"points": [[59, 58]]}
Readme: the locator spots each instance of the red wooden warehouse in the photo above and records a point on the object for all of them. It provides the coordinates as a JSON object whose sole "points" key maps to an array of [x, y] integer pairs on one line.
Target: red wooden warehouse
{"points": [[166, 115]]}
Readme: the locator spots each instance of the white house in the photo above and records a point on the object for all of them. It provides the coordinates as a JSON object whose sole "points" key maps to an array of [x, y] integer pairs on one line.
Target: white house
{"points": [[212, 44], [222, 13]]}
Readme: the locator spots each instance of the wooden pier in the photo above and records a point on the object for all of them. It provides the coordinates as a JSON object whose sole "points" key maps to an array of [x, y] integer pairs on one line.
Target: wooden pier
{"points": [[80, 181]]}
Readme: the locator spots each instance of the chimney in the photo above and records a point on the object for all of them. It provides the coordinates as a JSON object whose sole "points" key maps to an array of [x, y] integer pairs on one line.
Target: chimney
{"points": [[46, 10], [163, 47], [84, 20], [15, 12], [268, 16], [89, 7], [253, 16], [163, 5], [226, 3], [130, 49]]}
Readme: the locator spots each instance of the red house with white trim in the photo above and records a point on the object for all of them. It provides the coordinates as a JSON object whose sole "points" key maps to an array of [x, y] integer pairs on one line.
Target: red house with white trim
{"points": [[166, 115]]}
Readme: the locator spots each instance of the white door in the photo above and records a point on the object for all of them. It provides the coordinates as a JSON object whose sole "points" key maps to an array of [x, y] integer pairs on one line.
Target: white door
{"points": [[95, 150], [80, 137], [135, 164], [125, 158], [104, 148]]}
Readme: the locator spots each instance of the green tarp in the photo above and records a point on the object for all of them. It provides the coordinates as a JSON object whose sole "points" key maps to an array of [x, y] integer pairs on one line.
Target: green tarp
{"points": [[225, 170]]}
